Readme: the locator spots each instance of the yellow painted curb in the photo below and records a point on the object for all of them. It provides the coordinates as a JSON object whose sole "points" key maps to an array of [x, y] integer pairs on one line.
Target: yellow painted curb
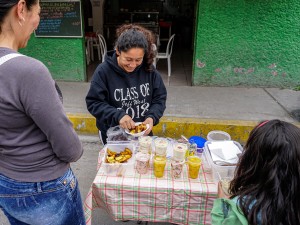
{"points": [[174, 127]]}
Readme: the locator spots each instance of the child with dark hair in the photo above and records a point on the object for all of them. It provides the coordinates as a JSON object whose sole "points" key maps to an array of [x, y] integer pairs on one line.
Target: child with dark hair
{"points": [[265, 189], [126, 88]]}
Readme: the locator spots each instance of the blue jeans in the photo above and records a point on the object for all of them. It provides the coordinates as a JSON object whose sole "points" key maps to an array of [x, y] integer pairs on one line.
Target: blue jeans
{"points": [[55, 202]]}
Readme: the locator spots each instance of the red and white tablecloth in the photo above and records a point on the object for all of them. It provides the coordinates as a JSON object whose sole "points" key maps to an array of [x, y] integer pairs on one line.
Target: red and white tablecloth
{"points": [[147, 198]]}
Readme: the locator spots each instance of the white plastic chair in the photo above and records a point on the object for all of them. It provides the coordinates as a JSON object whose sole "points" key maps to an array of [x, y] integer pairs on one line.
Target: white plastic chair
{"points": [[88, 51], [167, 55], [103, 46], [154, 48], [95, 44]]}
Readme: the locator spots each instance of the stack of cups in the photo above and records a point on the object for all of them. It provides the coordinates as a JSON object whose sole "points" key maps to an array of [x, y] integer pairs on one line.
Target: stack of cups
{"points": [[161, 146], [160, 157], [145, 144], [178, 160]]}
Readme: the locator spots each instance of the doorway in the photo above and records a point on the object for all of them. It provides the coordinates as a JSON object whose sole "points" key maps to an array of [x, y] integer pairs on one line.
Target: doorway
{"points": [[163, 17]]}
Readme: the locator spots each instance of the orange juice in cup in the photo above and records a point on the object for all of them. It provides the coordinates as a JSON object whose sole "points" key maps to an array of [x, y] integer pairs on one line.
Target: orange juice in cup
{"points": [[194, 163], [159, 163]]}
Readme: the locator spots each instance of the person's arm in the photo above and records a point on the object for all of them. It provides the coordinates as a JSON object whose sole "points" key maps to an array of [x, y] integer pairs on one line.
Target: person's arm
{"points": [[227, 212], [158, 103], [97, 101], [41, 102]]}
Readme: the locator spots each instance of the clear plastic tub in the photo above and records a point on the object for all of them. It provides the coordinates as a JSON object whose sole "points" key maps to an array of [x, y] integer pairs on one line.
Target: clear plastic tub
{"points": [[224, 171], [218, 135], [119, 169], [116, 134]]}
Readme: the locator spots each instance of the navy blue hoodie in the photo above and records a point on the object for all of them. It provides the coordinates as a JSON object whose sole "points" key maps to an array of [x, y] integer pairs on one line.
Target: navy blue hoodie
{"points": [[114, 93]]}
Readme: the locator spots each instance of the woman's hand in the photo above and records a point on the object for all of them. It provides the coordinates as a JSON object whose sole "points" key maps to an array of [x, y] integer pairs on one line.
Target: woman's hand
{"points": [[126, 122], [149, 121]]}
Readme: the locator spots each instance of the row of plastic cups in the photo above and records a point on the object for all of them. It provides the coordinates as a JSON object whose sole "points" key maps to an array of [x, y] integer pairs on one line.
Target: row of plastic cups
{"points": [[160, 144], [143, 164], [193, 162], [180, 150], [159, 164]]}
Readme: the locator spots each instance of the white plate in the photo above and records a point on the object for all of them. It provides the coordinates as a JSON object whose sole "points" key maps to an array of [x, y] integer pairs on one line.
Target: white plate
{"points": [[137, 134]]}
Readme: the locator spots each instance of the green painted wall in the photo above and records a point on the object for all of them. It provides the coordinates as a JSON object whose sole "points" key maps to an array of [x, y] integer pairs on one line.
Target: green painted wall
{"points": [[248, 43], [64, 57]]}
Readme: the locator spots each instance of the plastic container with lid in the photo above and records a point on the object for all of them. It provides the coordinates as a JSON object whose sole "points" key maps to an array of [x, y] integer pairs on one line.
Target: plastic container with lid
{"points": [[119, 169], [116, 134], [222, 170], [200, 141], [218, 135]]}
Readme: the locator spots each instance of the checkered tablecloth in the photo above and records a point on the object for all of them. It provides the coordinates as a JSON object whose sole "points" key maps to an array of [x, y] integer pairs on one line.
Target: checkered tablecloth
{"points": [[147, 198]]}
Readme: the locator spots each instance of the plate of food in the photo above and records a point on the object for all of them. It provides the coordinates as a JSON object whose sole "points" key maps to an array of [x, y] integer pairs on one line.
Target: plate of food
{"points": [[138, 130]]}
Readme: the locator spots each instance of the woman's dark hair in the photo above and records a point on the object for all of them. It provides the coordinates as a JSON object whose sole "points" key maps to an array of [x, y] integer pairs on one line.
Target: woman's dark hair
{"points": [[135, 36], [267, 178], [6, 5]]}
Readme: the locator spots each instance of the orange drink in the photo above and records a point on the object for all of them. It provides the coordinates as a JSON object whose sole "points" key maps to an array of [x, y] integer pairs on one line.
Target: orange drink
{"points": [[159, 163], [194, 163]]}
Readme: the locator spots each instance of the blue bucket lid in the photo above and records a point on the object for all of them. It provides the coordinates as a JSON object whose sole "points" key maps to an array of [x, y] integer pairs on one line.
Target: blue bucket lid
{"points": [[200, 141]]}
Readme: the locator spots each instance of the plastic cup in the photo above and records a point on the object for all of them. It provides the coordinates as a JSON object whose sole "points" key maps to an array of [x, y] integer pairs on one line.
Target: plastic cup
{"points": [[142, 162], [159, 163], [194, 163], [179, 151], [176, 168], [225, 183], [145, 144], [161, 146]]}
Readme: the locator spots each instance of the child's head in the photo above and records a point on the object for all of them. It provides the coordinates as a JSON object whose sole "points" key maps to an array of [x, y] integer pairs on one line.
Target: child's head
{"points": [[268, 173]]}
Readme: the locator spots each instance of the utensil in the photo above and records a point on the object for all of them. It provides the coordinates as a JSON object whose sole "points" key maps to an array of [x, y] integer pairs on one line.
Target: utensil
{"points": [[183, 137]]}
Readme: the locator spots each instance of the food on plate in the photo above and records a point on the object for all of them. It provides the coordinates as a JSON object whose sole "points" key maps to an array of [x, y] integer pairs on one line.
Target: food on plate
{"points": [[121, 157], [138, 129]]}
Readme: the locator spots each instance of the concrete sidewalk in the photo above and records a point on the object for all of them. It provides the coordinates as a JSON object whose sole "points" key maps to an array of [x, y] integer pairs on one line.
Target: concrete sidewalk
{"points": [[198, 110]]}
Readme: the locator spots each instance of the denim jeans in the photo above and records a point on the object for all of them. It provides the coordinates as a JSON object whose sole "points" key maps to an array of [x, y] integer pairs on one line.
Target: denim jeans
{"points": [[55, 202]]}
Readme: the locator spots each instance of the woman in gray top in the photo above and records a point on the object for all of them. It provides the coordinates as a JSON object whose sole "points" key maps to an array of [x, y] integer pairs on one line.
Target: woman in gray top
{"points": [[37, 141]]}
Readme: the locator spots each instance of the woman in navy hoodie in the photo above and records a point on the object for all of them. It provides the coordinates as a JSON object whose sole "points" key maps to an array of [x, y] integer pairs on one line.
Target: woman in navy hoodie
{"points": [[126, 88]]}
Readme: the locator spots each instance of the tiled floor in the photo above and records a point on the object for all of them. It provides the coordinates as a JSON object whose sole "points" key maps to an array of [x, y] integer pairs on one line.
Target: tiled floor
{"points": [[181, 62]]}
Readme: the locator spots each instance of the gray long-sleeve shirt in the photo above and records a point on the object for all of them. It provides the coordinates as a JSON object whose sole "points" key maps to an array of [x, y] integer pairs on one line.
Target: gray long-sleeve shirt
{"points": [[37, 140]]}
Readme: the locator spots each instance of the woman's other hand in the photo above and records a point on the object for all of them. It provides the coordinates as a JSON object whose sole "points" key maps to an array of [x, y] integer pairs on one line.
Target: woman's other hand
{"points": [[127, 123], [149, 121]]}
